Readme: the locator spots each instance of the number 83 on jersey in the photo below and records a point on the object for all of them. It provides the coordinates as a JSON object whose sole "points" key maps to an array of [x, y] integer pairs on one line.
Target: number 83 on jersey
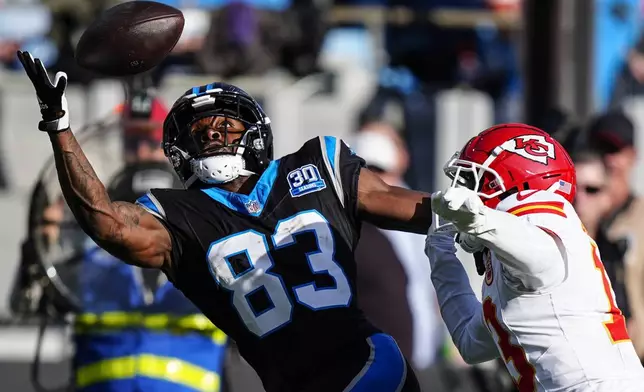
{"points": [[258, 276]]}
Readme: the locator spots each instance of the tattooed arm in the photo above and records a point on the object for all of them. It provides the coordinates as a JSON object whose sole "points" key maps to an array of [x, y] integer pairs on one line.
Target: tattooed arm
{"points": [[123, 229]]}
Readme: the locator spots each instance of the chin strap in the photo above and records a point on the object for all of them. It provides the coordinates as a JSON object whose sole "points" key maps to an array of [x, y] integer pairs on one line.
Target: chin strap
{"points": [[218, 169]]}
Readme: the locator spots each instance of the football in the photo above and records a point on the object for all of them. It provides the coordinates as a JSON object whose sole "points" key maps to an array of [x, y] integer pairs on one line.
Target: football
{"points": [[130, 38]]}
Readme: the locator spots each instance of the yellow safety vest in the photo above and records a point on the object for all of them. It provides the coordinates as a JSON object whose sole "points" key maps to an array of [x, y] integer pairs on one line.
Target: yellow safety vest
{"points": [[171, 369]]}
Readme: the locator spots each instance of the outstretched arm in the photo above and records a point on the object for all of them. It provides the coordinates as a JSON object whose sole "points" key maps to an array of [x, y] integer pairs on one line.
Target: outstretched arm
{"points": [[522, 237], [461, 310], [125, 230], [392, 207]]}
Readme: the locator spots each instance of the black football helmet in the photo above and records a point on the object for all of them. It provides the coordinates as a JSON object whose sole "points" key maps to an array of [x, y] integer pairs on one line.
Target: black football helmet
{"points": [[252, 151]]}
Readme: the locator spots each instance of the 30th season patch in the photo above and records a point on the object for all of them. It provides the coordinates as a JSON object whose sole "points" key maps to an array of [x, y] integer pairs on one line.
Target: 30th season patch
{"points": [[305, 180]]}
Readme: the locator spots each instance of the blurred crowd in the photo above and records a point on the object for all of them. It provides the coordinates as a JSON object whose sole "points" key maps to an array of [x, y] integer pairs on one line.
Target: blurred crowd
{"points": [[393, 133]]}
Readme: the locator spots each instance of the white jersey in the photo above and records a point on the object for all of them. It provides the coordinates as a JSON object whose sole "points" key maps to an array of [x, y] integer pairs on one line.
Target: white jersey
{"points": [[557, 328], [568, 337]]}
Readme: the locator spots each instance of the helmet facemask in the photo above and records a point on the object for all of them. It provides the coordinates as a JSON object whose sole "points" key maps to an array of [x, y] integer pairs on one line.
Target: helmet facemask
{"points": [[485, 181], [191, 153]]}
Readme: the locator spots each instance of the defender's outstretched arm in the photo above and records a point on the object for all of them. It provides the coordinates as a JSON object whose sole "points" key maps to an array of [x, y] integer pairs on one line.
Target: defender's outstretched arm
{"points": [[527, 245], [461, 310]]}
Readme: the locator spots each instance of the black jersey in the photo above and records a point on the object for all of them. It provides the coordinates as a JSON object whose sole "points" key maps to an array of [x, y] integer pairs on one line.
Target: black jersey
{"points": [[275, 269]]}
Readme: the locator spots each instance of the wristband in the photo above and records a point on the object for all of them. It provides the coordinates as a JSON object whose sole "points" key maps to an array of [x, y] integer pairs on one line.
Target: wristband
{"points": [[55, 126]]}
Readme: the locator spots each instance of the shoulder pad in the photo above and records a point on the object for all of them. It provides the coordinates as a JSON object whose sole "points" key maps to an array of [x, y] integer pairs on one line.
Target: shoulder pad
{"points": [[533, 202]]}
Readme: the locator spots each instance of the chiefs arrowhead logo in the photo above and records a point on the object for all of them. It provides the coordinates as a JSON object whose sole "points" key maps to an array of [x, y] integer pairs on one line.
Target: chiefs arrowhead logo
{"points": [[533, 147]]}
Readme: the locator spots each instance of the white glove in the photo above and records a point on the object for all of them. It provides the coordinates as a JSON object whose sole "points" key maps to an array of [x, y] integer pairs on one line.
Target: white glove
{"points": [[461, 206], [440, 243]]}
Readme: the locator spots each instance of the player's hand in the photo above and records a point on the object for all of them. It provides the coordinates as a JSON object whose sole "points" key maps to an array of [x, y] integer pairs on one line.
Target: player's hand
{"points": [[469, 243], [51, 96], [460, 206]]}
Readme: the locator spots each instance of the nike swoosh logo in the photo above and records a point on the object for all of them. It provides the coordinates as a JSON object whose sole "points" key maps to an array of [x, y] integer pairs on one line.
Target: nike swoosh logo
{"points": [[526, 194]]}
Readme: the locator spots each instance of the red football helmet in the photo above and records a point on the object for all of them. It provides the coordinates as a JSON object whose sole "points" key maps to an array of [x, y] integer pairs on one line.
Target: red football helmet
{"points": [[509, 158]]}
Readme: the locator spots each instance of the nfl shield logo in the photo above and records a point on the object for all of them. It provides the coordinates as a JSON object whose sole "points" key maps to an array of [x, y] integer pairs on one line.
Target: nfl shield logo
{"points": [[253, 206]]}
